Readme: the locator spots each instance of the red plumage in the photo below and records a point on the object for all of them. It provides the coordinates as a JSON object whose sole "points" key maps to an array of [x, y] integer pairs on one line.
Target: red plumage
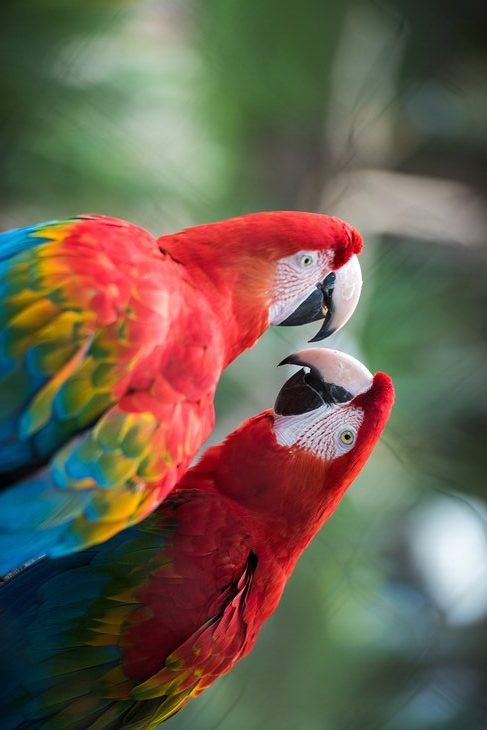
{"points": [[115, 343]]}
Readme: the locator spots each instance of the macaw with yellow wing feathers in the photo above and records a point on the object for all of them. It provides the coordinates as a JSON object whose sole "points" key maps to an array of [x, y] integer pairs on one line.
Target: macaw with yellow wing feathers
{"points": [[111, 346], [124, 634]]}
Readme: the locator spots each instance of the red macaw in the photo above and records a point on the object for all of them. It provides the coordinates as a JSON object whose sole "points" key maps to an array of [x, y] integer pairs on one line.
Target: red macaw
{"points": [[111, 346], [125, 633]]}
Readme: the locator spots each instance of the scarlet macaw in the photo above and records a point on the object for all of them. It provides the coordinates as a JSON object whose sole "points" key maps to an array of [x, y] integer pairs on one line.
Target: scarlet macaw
{"points": [[111, 346], [125, 633]]}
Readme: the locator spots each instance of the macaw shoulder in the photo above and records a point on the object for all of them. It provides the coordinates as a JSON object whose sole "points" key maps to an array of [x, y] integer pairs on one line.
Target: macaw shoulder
{"points": [[121, 240], [191, 350], [118, 252], [139, 281], [81, 233], [111, 251], [93, 263]]}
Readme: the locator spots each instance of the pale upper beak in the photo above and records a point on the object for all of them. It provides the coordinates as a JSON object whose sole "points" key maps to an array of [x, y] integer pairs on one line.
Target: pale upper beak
{"points": [[346, 293], [333, 377]]}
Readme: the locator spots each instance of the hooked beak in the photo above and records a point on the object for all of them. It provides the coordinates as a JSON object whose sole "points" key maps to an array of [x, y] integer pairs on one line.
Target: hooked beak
{"points": [[333, 377], [334, 300]]}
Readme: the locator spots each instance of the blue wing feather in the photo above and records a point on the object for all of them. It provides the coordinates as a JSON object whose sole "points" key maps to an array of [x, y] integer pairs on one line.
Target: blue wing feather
{"points": [[21, 239]]}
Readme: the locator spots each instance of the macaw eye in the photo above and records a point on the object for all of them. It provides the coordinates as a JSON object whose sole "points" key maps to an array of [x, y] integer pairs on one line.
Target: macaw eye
{"points": [[347, 437], [305, 260]]}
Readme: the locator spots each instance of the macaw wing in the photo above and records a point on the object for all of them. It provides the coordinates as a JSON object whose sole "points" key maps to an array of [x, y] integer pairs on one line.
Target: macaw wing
{"points": [[69, 329], [207, 654], [62, 620], [99, 483], [65, 629], [83, 303]]}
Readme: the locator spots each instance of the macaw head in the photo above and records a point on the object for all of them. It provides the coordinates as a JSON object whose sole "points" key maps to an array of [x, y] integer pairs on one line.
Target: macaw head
{"points": [[282, 268], [319, 275], [333, 409], [292, 465]]}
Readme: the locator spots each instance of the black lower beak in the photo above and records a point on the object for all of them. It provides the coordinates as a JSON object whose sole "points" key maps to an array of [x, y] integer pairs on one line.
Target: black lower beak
{"points": [[305, 392], [319, 305]]}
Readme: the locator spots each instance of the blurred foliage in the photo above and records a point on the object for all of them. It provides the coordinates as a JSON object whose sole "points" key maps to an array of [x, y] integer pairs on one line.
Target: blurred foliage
{"points": [[170, 113], [268, 88]]}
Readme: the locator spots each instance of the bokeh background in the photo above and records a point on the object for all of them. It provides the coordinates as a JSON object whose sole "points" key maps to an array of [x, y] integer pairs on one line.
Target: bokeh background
{"points": [[171, 112]]}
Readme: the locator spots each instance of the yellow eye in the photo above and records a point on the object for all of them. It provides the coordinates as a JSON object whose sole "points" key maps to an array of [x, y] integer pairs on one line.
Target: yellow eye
{"points": [[305, 260], [347, 437]]}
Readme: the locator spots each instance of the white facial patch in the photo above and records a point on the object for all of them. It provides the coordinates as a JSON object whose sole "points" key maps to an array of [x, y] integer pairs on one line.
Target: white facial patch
{"points": [[295, 279], [328, 432]]}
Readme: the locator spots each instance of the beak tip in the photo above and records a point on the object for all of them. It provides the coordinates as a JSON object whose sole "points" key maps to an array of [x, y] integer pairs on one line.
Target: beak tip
{"points": [[322, 335], [289, 360]]}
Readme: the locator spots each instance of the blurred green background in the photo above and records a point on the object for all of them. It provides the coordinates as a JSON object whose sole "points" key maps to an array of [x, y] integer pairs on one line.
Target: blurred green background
{"points": [[170, 113]]}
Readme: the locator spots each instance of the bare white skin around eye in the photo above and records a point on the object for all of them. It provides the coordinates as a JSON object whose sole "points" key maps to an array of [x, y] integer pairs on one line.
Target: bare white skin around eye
{"points": [[295, 279], [328, 432]]}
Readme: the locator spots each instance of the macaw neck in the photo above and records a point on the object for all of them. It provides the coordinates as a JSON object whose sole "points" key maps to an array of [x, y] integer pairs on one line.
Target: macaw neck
{"points": [[288, 494], [236, 285], [308, 497]]}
